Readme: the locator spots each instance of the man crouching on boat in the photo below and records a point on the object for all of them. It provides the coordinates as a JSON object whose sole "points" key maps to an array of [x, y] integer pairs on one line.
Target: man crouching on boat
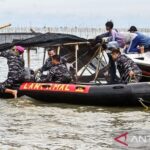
{"points": [[128, 69], [16, 69], [58, 72], [39, 73], [47, 65]]}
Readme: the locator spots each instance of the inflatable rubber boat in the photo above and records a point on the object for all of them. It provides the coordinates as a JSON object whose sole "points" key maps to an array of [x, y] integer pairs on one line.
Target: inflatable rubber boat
{"points": [[88, 94]]}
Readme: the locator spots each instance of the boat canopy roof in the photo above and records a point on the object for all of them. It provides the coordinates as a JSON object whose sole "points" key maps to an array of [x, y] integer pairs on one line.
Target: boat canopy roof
{"points": [[45, 40]]}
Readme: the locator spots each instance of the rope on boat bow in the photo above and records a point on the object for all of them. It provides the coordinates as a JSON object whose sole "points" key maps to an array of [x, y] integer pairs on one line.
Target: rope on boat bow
{"points": [[141, 100], [138, 75], [144, 76]]}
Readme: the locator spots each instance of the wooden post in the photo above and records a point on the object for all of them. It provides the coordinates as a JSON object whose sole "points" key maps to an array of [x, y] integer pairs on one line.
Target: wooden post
{"points": [[44, 56], [76, 60], [28, 57], [23, 56], [58, 50]]}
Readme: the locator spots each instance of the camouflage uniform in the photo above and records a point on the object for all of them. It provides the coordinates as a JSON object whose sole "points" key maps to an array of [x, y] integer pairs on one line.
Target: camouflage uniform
{"points": [[58, 73], [15, 70], [125, 65], [48, 64]]}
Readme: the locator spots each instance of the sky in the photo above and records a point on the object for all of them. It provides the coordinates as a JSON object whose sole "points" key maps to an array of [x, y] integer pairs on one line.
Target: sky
{"points": [[81, 13]]}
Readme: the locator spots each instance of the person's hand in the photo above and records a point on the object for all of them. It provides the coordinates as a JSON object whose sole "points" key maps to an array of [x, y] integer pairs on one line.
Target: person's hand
{"points": [[131, 74], [126, 46], [36, 71], [141, 49], [37, 76]]}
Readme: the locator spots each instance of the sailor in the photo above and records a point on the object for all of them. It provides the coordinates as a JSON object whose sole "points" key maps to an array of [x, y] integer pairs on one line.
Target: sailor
{"points": [[48, 63], [114, 37], [15, 69], [129, 71], [58, 72], [111, 77], [39, 73]]}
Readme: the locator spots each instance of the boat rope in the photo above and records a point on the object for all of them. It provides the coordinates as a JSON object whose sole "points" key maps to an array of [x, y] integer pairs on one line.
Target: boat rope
{"points": [[130, 79], [142, 103], [143, 76]]}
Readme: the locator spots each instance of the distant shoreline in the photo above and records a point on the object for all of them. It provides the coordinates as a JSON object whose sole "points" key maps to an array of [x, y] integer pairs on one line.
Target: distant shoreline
{"points": [[63, 29], [86, 32]]}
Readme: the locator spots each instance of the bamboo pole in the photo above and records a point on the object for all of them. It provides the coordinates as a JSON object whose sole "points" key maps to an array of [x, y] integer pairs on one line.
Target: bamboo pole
{"points": [[58, 50], [32, 30], [76, 58], [86, 66], [73, 43], [28, 57], [44, 56], [5, 25]]}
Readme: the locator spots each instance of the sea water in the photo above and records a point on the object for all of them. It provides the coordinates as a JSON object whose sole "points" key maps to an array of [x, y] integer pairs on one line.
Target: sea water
{"points": [[27, 124]]}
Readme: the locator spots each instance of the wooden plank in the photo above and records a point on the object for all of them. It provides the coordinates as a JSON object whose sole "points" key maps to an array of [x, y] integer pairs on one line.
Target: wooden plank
{"points": [[74, 43]]}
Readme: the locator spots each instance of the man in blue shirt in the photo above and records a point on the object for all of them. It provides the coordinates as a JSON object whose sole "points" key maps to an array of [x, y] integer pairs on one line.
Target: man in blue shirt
{"points": [[138, 42]]}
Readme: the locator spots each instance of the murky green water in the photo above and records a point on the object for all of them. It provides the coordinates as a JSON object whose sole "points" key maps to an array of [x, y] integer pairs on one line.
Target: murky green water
{"points": [[26, 124]]}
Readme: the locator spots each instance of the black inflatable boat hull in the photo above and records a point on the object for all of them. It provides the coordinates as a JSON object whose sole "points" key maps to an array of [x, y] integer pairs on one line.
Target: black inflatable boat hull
{"points": [[107, 95]]}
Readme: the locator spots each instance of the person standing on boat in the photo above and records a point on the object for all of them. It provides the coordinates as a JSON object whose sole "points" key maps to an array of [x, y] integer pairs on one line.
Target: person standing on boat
{"points": [[114, 37], [128, 69], [15, 69], [140, 43], [58, 72]]}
